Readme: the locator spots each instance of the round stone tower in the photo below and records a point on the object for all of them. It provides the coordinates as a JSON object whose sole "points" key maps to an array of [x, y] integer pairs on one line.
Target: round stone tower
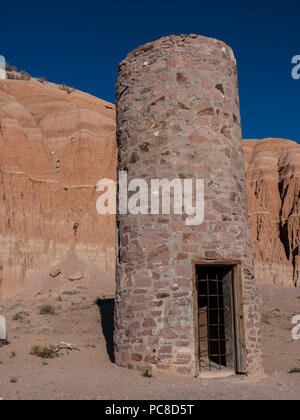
{"points": [[178, 118]]}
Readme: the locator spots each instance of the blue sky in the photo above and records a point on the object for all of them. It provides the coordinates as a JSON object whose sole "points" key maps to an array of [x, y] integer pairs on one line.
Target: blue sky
{"points": [[81, 43]]}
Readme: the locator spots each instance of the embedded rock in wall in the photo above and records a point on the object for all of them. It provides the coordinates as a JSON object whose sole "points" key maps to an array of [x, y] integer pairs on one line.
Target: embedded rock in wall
{"points": [[273, 189], [55, 145]]}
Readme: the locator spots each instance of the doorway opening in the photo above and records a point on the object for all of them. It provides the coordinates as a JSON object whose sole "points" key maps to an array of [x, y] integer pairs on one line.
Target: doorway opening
{"points": [[218, 307]]}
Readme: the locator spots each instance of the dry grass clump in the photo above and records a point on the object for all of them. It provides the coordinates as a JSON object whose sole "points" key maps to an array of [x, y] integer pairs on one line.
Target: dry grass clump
{"points": [[45, 352], [20, 316], [9, 67], [295, 370], [13, 74], [66, 88], [47, 309], [24, 75], [147, 374]]}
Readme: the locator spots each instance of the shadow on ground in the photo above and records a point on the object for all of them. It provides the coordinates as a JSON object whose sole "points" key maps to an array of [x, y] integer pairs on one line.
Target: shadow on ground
{"points": [[107, 307]]}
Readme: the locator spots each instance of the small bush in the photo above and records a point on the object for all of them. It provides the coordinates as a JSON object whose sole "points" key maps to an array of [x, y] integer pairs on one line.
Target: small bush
{"points": [[13, 75], [24, 75], [47, 309], [19, 316], [147, 374], [45, 352], [13, 380], [71, 292], [66, 88], [42, 79], [9, 67], [295, 370]]}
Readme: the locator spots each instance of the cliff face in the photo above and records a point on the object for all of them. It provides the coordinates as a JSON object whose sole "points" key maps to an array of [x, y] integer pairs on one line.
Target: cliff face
{"points": [[273, 189], [54, 146]]}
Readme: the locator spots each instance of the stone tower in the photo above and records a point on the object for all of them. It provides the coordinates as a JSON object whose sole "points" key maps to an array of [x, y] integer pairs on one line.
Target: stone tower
{"points": [[186, 294]]}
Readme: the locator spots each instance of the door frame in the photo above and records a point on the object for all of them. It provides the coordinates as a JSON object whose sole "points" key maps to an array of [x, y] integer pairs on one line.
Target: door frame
{"points": [[238, 312]]}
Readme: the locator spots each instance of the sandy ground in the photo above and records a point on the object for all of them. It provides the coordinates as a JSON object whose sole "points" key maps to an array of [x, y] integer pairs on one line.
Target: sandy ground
{"points": [[90, 374]]}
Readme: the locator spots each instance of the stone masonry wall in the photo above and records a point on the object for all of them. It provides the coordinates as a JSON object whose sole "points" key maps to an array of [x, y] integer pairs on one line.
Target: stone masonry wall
{"points": [[178, 117]]}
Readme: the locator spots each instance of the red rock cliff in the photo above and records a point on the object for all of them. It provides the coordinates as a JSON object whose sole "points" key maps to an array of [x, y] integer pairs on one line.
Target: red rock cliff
{"points": [[273, 189], [55, 146]]}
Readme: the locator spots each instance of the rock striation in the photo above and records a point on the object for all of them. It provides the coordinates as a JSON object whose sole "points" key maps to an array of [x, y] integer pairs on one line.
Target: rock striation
{"points": [[55, 145], [273, 190]]}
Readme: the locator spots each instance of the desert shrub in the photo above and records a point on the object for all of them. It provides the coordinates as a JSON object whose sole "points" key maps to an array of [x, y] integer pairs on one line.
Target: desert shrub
{"points": [[42, 79], [147, 374], [45, 352], [24, 75], [71, 292], [47, 309], [19, 316], [66, 88], [9, 67], [12, 76], [295, 370], [13, 380]]}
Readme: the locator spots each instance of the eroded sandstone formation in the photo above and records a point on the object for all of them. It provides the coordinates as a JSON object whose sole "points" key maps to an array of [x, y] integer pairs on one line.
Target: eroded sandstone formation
{"points": [[273, 189], [54, 147]]}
